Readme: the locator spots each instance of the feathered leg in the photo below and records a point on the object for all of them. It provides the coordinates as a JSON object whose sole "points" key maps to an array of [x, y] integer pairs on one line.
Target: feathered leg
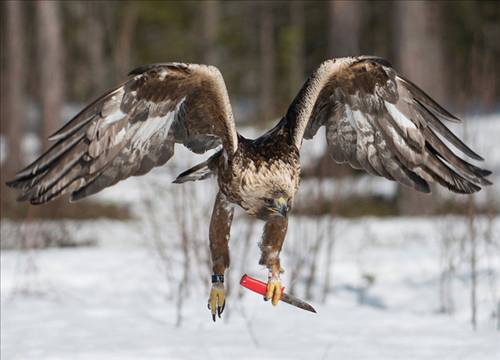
{"points": [[220, 227], [272, 241]]}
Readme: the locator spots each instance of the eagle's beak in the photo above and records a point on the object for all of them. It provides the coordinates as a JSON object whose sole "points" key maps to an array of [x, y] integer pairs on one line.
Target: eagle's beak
{"points": [[281, 206]]}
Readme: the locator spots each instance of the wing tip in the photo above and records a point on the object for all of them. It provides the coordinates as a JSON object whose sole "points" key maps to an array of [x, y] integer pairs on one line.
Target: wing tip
{"points": [[56, 136], [474, 155], [485, 172]]}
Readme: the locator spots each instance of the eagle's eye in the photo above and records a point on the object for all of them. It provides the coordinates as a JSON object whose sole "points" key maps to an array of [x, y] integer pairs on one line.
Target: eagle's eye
{"points": [[269, 202]]}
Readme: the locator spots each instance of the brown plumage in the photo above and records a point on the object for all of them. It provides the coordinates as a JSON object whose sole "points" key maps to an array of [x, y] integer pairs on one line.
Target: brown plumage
{"points": [[375, 119]]}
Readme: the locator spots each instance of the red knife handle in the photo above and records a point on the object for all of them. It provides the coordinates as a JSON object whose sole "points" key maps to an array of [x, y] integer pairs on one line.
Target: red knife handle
{"points": [[255, 285]]}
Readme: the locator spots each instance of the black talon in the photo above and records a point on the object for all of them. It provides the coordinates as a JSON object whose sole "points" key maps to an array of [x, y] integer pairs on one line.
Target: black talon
{"points": [[222, 308]]}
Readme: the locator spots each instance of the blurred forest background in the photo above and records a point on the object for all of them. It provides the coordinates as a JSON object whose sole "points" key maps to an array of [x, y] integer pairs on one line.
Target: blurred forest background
{"points": [[364, 239], [58, 55]]}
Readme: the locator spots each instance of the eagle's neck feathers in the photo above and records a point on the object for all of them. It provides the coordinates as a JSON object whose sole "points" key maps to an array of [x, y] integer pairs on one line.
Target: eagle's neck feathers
{"points": [[302, 106]]}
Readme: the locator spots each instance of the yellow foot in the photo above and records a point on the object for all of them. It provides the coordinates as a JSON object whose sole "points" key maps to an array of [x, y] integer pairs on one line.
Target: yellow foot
{"points": [[274, 289], [216, 301]]}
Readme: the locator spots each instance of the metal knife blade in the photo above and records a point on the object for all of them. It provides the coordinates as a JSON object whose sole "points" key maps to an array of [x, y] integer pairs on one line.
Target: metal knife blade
{"points": [[292, 300]]}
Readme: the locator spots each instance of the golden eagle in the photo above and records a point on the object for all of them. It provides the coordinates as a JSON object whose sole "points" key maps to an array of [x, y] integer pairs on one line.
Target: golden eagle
{"points": [[375, 119]]}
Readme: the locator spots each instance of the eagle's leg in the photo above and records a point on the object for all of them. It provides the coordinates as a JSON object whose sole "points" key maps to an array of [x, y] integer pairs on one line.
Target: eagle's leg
{"points": [[220, 226], [272, 241]]}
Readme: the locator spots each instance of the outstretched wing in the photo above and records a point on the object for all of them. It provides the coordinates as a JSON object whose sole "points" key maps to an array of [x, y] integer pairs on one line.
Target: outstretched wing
{"points": [[379, 121], [132, 129]]}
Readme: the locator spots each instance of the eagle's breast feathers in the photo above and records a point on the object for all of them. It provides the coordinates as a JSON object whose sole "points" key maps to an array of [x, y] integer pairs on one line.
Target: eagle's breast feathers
{"points": [[260, 170]]}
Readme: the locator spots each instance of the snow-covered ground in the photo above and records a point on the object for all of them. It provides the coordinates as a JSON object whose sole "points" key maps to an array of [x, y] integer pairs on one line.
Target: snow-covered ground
{"points": [[118, 300]]}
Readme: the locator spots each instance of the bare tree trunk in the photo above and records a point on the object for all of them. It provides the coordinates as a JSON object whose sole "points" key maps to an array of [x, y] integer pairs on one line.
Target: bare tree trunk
{"points": [[95, 45], [210, 18], [297, 54], [88, 71], [344, 28], [267, 56], [418, 38], [122, 52], [420, 57], [50, 60], [13, 84]]}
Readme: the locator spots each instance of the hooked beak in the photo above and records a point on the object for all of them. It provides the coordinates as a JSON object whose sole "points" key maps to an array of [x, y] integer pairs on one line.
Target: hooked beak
{"points": [[281, 206]]}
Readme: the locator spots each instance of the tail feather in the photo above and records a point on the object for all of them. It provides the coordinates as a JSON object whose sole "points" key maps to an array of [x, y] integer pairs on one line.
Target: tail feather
{"points": [[201, 171], [198, 172]]}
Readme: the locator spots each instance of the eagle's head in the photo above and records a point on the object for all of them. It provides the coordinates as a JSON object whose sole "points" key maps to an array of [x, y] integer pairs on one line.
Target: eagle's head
{"points": [[268, 191], [278, 205], [272, 203]]}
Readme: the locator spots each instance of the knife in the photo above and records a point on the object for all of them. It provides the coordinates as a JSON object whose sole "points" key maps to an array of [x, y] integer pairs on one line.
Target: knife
{"points": [[260, 288]]}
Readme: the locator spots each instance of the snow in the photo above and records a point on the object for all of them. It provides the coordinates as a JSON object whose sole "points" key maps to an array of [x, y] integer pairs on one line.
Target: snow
{"points": [[113, 301]]}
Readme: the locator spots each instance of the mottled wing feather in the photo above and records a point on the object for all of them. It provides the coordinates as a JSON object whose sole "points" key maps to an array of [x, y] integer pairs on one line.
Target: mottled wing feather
{"points": [[381, 122], [132, 129]]}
